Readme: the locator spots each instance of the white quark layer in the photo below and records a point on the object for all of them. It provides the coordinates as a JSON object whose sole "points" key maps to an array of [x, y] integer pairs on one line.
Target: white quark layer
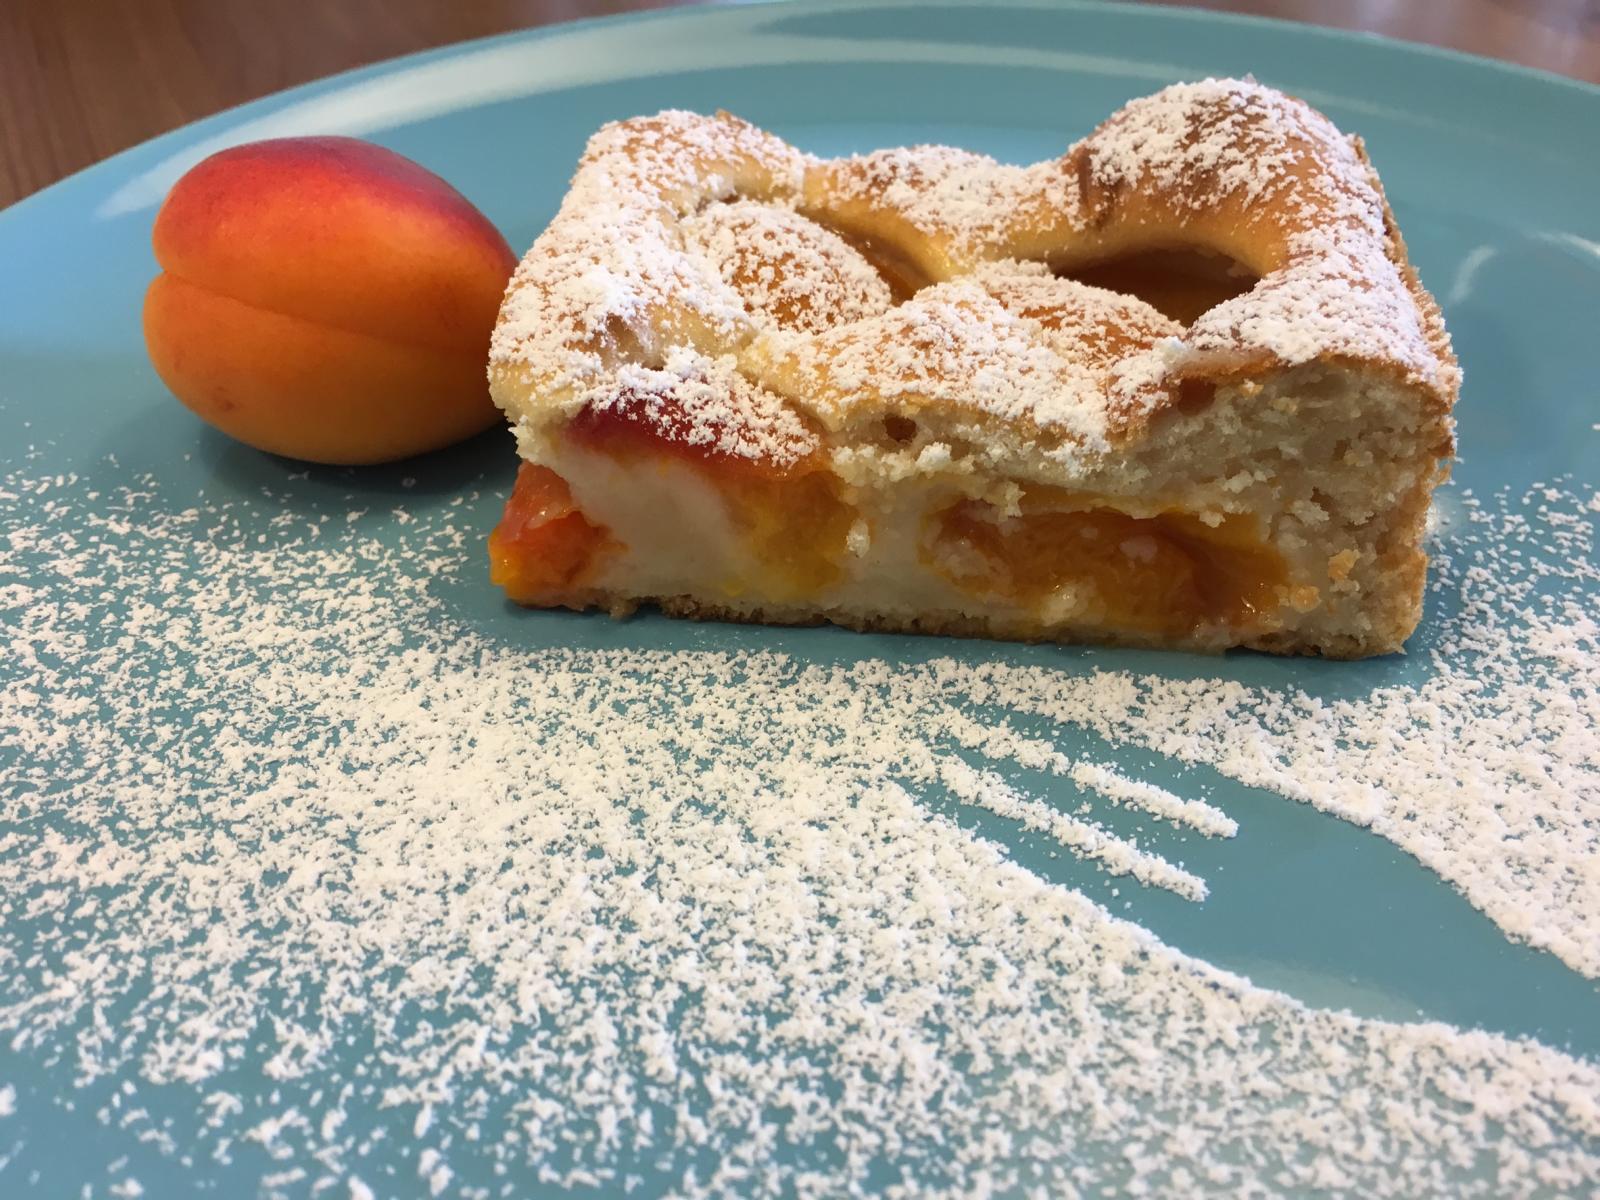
{"points": [[565, 915]]}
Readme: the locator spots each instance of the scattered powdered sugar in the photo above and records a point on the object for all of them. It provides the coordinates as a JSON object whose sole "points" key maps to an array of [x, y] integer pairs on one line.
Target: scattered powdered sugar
{"points": [[1488, 772], [987, 790], [289, 835], [1158, 801]]}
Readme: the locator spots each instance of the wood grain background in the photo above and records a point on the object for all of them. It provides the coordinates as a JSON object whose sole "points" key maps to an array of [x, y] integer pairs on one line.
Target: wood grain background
{"points": [[82, 79]]}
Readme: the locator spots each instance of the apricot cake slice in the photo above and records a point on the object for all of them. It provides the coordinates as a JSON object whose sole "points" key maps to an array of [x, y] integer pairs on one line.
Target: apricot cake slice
{"points": [[1180, 387]]}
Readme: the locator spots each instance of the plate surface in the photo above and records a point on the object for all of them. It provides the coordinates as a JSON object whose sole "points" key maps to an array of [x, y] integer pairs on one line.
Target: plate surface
{"points": [[1492, 172]]}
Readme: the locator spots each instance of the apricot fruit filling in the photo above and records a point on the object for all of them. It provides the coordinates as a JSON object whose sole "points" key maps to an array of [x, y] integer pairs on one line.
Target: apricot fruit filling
{"points": [[791, 519], [543, 545], [1168, 574], [796, 529]]}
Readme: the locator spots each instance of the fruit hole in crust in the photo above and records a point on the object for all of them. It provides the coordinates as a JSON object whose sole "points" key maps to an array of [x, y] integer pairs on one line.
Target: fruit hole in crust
{"points": [[903, 275], [1180, 281], [900, 429], [1195, 394]]}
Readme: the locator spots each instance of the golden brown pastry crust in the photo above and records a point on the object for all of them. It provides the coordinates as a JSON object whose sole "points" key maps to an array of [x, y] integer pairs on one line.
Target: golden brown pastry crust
{"points": [[782, 306]]}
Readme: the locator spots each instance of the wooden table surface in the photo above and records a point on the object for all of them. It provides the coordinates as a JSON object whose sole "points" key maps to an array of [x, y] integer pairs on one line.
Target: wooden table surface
{"points": [[82, 79]]}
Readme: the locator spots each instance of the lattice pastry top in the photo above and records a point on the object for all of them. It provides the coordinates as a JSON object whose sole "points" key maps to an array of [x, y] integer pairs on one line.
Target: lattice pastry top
{"points": [[705, 276]]}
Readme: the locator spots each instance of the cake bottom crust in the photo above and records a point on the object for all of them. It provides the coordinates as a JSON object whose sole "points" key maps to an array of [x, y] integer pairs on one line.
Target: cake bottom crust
{"points": [[1387, 637]]}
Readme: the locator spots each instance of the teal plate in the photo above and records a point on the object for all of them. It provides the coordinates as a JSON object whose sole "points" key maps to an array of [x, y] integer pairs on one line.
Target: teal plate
{"points": [[1492, 171]]}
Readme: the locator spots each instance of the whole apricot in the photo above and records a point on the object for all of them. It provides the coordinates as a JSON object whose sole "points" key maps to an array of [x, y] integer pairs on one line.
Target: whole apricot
{"points": [[326, 299]]}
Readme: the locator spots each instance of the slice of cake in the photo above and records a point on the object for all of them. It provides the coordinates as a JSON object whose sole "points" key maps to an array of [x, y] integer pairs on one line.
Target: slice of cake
{"points": [[1179, 387]]}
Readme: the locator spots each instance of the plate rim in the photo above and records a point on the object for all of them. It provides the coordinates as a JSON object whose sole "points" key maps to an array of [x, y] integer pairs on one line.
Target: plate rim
{"points": [[697, 13]]}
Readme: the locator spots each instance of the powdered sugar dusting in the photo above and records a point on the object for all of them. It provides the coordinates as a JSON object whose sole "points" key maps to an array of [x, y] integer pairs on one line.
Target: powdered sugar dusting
{"points": [[646, 259], [1489, 772], [1209, 142], [1158, 801], [950, 348], [706, 403], [612, 281], [790, 271], [962, 202], [289, 835], [1334, 289]]}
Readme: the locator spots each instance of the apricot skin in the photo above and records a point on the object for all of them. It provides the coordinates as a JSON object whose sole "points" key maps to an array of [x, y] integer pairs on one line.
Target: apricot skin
{"points": [[326, 299]]}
